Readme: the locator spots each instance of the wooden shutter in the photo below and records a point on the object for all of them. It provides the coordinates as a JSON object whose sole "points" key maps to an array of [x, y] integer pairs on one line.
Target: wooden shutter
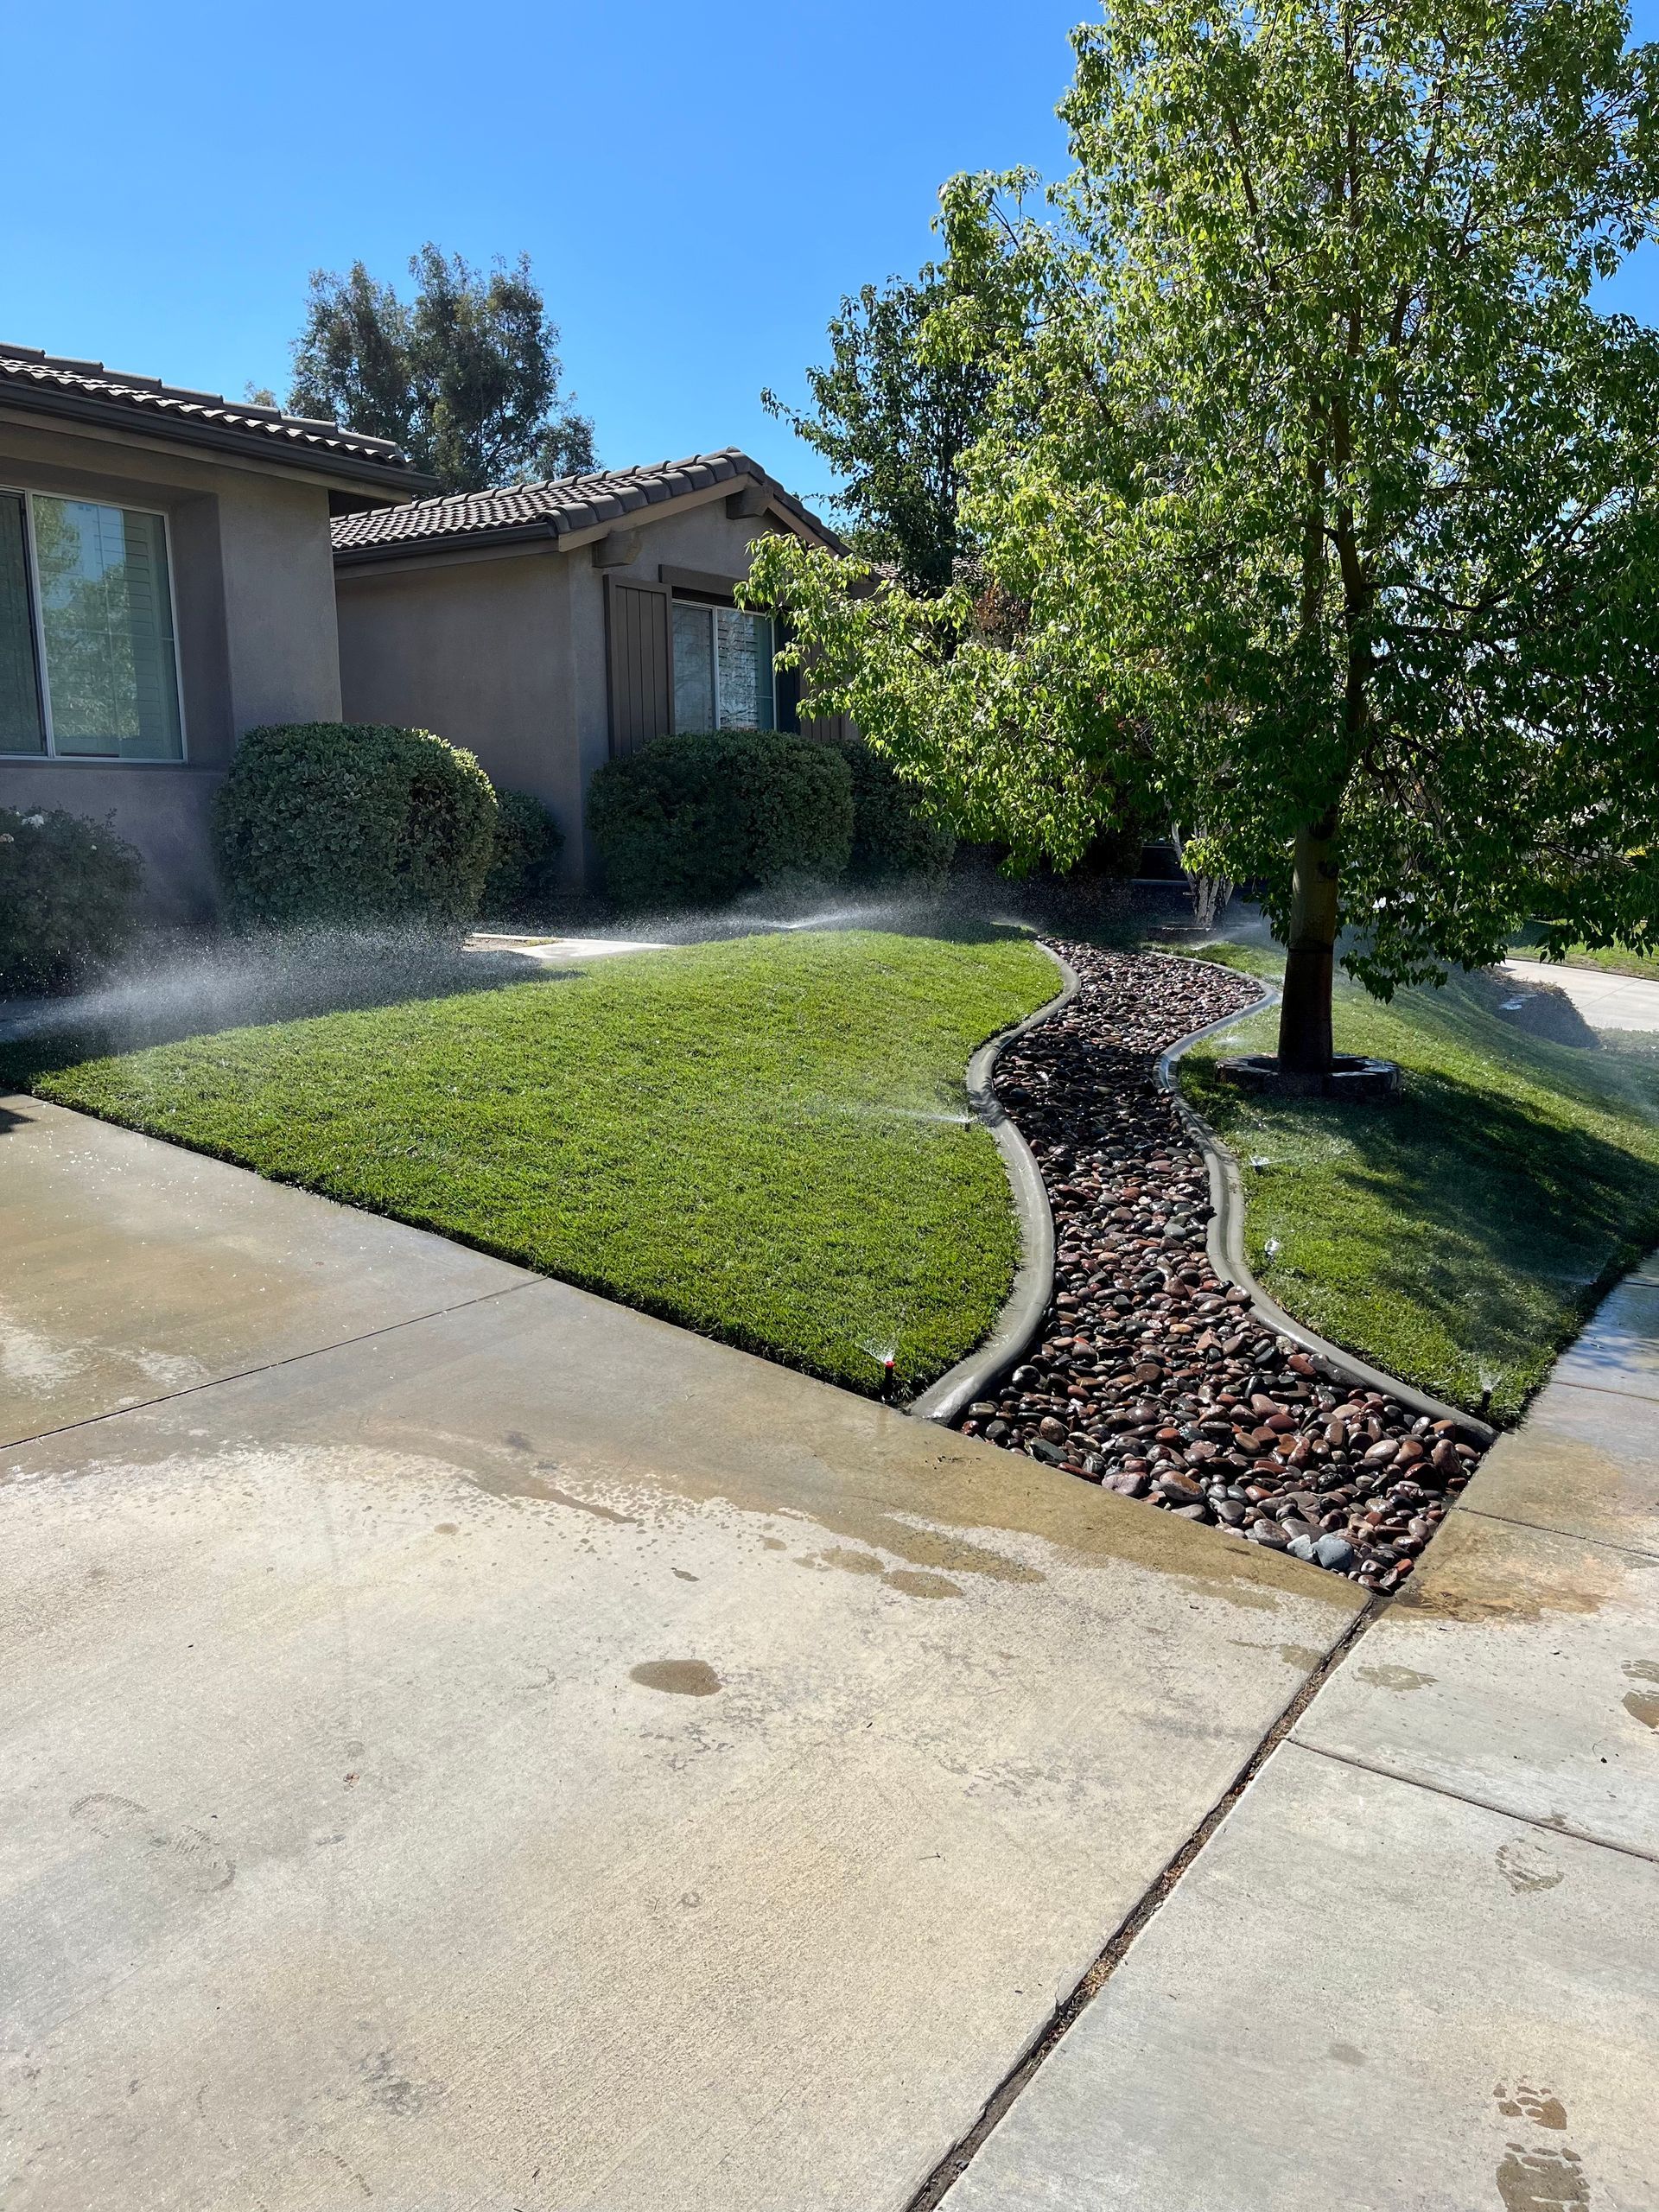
{"points": [[792, 682], [639, 630]]}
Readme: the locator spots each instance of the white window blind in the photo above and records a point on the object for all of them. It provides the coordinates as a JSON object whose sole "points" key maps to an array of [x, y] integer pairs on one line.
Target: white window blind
{"points": [[722, 669]]}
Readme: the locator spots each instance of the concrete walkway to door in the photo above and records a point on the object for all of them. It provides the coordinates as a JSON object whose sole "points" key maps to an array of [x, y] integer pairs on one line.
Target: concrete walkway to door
{"points": [[466, 1745], [1416, 1969]]}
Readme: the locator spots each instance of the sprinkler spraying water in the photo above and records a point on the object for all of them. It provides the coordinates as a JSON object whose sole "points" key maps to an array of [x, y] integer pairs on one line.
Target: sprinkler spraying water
{"points": [[883, 1355]]}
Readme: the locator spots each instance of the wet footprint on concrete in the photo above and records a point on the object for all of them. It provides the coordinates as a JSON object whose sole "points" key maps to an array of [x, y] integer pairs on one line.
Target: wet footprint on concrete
{"points": [[183, 1855], [1527, 1866], [1541, 2106], [1534, 2179], [1541, 2181]]}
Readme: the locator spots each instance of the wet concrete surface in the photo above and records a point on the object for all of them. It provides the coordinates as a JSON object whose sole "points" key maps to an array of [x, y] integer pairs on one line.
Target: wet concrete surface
{"points": [[1587, 1464], [1416, 1969], [1366, 1996], [1523, 1674], [134, 1269], [1605, 1000], [532, 1756]]}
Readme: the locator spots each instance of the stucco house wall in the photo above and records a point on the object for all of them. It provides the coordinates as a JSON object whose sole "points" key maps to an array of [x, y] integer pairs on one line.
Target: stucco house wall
{"points": [[477, 649], [252, 576], [503, 646]]}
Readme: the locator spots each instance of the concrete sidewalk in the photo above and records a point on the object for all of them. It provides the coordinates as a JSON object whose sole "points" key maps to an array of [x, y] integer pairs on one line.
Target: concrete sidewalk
{"points": [[463, 1743], [1605, 1000], [1417, 1964]]}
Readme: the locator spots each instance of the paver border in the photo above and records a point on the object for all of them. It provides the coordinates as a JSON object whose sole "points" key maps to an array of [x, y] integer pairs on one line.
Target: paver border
{"points": [[1022, 1313]]}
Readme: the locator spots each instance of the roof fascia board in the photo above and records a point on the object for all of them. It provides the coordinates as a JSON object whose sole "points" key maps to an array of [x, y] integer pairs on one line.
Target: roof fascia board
{"points": [[112, 419], [451, 552]]}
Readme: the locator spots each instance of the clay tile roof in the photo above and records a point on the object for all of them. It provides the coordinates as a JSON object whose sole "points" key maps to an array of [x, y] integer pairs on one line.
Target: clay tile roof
{"points": [[55, 385], [555, 509]]}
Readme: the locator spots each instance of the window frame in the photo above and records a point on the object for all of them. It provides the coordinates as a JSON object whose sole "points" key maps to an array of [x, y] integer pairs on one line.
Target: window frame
{"points": [[37, 628]]}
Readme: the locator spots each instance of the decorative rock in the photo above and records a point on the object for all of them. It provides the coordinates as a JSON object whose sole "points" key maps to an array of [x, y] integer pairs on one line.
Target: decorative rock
{"points": [[1147, 1356]]}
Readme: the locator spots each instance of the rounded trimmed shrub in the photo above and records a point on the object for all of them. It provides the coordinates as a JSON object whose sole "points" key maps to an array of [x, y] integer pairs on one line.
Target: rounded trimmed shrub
{"points": [[892, 841], [68, 891], [696, 820], [525, 858], [352, 821]]}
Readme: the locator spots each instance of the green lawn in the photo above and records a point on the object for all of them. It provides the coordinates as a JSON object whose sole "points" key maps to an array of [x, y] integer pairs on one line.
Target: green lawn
{"points": [[1457, 1235], [734, 1136]]}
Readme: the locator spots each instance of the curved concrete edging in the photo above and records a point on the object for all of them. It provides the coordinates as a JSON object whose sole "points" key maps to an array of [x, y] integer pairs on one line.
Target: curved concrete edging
{"points": [[1225, 1242], [1034, 1282]]}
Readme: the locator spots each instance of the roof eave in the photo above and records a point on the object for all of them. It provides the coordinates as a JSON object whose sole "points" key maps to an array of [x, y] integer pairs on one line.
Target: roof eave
{"points": [[572, 537], [343, 468], [540, 531]]}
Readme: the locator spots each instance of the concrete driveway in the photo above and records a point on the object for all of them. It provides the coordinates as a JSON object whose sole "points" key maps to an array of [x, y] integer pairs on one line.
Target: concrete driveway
{"points": [[1416, 1969], [466, 1745], [1605, 1001]]}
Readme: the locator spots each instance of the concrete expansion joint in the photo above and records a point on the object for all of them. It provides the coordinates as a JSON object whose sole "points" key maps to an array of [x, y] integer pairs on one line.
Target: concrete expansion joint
{"points": [[955, 2163], [268, 1366], [1579, 1536], [1470, 1797]]}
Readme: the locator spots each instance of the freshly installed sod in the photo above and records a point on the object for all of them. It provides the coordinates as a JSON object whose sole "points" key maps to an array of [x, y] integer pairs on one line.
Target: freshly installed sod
{"points": [[1456, 1235], [765, 1140]]}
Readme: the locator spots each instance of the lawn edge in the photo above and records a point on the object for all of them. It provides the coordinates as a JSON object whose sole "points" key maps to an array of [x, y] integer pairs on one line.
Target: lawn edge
{"points": [[1023, 1310], [1226, 1240]]}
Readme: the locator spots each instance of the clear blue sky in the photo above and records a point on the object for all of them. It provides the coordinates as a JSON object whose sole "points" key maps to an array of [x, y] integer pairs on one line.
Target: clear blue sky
{"points": [[696, 186]]}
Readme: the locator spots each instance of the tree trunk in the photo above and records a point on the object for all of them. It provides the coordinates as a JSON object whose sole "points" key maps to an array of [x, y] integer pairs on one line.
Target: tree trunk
{"points": [[1305, 1038]]}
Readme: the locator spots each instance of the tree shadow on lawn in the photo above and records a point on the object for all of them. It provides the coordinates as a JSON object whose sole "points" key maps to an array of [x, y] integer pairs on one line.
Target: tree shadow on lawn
{"points": [[205, 988], [1510, 1223]]}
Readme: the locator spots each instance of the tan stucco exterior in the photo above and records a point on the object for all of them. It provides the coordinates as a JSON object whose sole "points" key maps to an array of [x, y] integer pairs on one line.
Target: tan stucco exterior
{"points": [[505, 650], [253, 586]]}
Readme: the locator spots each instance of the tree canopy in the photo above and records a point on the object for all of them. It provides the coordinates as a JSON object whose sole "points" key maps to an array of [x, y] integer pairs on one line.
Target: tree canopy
{"points": [[465, 375], [892, 416], [1317, 505]]}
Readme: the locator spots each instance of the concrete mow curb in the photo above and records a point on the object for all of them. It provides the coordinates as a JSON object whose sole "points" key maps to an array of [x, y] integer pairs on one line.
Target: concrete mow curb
{"points": [[1034, 1284], [1225, 1241]]}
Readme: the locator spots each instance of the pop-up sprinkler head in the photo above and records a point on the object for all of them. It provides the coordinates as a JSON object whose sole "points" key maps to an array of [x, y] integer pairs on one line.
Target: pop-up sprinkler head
{"points": [[886, 1375]]}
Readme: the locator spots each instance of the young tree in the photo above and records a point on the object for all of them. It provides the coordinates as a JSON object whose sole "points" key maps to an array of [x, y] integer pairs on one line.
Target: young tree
{"points": [[892, 416], [465, 375], [1319, 507]]}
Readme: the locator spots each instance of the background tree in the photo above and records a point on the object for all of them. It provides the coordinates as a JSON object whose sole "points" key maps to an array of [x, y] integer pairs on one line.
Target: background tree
{"points": [[465, 375], [1319, 505], [892, 416]]}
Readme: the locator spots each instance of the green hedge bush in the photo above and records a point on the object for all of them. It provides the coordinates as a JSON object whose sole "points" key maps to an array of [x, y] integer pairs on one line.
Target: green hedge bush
{"points": [[524, 860], [68, 889], [352, 821], [892, 843], [695, 820]]}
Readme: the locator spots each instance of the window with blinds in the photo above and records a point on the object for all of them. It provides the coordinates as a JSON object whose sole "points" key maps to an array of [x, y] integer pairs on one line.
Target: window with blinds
{"points": [[88, 657], [722, 669]]}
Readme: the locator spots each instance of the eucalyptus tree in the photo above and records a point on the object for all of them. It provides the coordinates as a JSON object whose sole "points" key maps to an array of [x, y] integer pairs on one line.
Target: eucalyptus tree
{"points": [[464, 375], [1316, 503]]}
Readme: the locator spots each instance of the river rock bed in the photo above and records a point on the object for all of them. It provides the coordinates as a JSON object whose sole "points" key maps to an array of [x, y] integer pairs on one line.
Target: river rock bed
{"points": [[1151, 1377]]}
